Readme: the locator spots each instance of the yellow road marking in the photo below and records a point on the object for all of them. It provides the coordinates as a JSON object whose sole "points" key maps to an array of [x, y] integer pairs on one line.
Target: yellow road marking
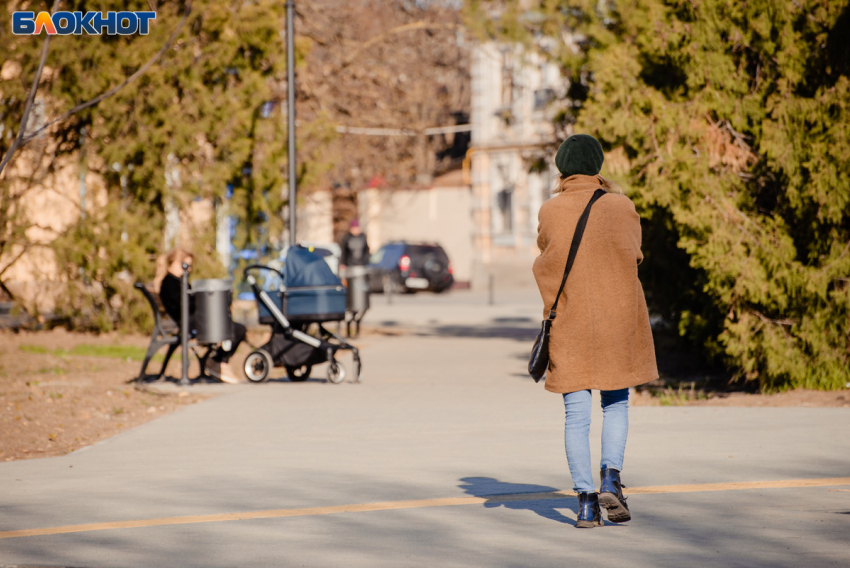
{"points": [[737, 486], [416, 504]]}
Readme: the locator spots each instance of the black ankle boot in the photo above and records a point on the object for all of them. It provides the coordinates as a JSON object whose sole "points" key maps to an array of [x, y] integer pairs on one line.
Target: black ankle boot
{"points": [[589, 514], [611, 496]]}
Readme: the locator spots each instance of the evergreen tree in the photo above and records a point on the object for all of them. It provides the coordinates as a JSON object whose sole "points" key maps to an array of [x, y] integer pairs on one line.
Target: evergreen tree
{"points": [[733, 120], [205, 117]]}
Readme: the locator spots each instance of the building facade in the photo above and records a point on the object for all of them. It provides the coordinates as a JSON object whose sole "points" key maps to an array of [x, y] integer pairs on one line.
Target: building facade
{"points": [[509, 165]]}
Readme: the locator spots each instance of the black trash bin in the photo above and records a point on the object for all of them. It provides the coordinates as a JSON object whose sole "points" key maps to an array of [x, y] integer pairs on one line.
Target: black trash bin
{"points": [[212, 310], [357, 299]]}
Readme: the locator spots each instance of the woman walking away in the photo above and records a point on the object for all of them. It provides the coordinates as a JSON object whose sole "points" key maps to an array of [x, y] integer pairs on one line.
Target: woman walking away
{"points": [[601, 337]]}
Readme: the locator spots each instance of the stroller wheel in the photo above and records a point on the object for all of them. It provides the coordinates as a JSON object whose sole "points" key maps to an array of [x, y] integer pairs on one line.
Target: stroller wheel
{"points": [[336, 372], [299, 374], [258, 365]]}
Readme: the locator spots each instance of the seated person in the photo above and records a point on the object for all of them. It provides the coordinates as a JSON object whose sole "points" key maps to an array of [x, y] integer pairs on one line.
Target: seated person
{"points": [[169, 293]]}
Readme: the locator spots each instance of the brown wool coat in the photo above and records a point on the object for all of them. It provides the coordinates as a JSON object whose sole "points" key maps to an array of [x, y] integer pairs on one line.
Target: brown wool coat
{"points": [[601, 337]]}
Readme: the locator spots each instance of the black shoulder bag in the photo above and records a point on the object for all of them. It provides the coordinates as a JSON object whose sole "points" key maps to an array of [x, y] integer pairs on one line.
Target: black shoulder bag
{"points": [[538, 363]]}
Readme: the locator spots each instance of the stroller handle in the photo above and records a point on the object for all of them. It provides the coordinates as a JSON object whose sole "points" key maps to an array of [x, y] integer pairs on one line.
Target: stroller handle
{"points": [[262, 267]]}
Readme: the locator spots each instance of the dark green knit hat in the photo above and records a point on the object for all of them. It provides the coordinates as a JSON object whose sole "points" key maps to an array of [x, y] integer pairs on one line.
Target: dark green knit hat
{"points": [[579, 154]]}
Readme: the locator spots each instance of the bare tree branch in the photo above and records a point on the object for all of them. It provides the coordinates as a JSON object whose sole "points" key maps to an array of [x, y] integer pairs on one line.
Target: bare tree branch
{"points": [[141, 71], [7, 291], [20, 139], [420, 25], [840, 256], [11, 263]]}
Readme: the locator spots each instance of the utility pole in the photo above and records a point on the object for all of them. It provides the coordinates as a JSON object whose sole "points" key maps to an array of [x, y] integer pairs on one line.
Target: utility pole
{"points": [[290, 88]]}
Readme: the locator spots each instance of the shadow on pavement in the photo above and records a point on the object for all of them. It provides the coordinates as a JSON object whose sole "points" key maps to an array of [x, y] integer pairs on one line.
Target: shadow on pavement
{"points": [[147, 380], [495, 330], [672, 531], [487, 487]]}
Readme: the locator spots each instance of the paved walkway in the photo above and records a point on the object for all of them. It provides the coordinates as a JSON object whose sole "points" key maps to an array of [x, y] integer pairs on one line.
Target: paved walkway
{"points": [[446, 455]]}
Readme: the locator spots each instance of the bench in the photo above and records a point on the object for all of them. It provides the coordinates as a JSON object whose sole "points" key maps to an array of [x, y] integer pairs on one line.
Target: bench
{"points": [[165, 332]]}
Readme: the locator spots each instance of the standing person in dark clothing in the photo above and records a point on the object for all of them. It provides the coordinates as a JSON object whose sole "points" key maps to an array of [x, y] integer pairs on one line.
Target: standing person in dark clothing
{"points": [[355, 249], [354, 257], [169, 294]]}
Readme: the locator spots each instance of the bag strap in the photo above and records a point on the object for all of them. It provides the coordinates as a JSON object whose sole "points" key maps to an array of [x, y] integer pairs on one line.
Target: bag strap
{"points": [[582, 223]]}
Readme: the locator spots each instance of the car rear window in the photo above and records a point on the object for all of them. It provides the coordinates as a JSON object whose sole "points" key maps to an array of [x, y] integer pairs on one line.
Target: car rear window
{"points": [[422, 250], [387, 255]]}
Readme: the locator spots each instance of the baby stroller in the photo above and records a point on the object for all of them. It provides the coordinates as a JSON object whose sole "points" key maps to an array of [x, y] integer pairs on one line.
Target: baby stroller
{"points": [[309, 294]]}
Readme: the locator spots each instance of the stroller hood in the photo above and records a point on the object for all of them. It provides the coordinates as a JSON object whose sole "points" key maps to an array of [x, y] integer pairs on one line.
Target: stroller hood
{"points": [[304, 268]]}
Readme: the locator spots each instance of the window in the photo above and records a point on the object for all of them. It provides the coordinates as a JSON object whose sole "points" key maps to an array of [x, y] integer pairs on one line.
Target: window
{"points": [[505, 203], [543, 97], [378, 256]]}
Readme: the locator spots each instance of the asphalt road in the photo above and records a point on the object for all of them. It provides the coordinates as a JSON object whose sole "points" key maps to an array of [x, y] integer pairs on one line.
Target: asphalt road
{"points": [[446, 454]]}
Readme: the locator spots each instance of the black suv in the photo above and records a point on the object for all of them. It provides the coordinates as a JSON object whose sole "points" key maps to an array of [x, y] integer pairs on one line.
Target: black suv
{"points": [[409, 267]]}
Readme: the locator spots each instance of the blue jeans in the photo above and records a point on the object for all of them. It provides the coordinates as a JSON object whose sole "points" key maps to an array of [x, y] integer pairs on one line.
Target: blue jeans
{"points": [[615, 429]]}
